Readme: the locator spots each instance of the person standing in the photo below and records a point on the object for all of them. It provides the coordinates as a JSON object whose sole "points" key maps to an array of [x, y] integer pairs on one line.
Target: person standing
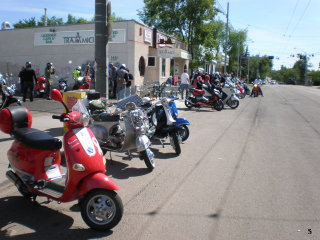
{"points": [[27, 76], [185, 81], [129, 83], [75, 75], [113, 80], [48, 72], [122, 79]]}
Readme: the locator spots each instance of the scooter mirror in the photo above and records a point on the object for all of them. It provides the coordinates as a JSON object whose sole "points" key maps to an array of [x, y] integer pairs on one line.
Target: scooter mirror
{"points": [[56, 95]]}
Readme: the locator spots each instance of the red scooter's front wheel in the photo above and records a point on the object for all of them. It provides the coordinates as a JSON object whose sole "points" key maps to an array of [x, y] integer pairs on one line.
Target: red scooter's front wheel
{"points": [[101, 209]]}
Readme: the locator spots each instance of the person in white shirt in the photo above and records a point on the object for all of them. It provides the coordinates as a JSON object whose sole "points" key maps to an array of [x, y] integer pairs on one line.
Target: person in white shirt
{"points": [[185, 81]]}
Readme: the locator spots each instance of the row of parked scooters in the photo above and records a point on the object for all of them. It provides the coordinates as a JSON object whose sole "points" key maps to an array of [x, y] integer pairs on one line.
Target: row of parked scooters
{"points": [[94, 127], [216, 95]]}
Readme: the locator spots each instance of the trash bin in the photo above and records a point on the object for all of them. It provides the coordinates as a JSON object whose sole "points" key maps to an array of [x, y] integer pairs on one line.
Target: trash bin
{"points": [[70, 98]]}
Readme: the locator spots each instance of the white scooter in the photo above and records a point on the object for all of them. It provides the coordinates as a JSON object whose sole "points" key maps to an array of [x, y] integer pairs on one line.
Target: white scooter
{"points": [[229, 96]]}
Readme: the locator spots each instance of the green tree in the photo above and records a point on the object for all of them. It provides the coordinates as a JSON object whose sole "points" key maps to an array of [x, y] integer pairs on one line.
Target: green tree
{"points": [[53, 21], [236, 41], [300, 67], [185, 19], [31, 22]]}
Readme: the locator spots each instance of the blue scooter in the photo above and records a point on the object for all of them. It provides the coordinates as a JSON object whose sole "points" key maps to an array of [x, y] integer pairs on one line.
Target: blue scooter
{"points": [[184, 134]]}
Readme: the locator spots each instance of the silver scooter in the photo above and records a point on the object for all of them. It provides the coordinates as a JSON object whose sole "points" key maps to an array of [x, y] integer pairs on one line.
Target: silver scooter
{"points": [[229, 97], [7, 97], [124, 130]]}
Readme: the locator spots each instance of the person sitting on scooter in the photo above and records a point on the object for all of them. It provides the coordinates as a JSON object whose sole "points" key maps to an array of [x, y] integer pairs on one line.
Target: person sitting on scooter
{"points": [[258, 82], [197, 81]]}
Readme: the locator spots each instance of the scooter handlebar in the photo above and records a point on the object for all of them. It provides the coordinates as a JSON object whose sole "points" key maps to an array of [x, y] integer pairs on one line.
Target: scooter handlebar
{"points": [[62, 118]]}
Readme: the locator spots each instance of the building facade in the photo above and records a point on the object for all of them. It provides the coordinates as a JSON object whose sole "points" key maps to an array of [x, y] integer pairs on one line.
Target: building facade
{"points": [[144, 50]]}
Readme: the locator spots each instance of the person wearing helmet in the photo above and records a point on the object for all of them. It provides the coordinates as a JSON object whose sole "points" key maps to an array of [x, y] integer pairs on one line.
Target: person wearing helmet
{"points": [[27, 76], [48, 72], [122, 79], [76, 73]]}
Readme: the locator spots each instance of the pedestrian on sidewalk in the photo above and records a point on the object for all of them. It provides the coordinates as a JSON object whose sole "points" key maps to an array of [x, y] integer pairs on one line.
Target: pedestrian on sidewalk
{"points": [[48, 72], [27, 76], [185, 81]]}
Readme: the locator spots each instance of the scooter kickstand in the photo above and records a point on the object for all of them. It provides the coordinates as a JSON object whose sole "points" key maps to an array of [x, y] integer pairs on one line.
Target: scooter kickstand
{"points": [[129, 155], [161, 143], [111, 161]]}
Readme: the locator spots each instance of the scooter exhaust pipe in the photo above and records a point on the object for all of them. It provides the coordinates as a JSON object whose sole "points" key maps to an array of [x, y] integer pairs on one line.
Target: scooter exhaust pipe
{"points": [[14, 178]]}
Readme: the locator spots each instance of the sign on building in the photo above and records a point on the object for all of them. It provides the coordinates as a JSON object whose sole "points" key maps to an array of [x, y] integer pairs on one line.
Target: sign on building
{"points": [[166, 52], [147, 35], [75, 37]]}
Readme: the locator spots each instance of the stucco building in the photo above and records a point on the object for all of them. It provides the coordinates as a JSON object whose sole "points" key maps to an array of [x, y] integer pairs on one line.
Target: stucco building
{"points": [[68, 46]]}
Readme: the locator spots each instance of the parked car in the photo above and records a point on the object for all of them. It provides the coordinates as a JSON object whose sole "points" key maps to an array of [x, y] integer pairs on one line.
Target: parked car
{"points": [[272, 82]]}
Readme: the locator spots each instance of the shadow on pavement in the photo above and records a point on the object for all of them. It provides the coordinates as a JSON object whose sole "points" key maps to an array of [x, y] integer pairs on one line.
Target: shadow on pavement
{"points": [[39, 222], [119, 170]]}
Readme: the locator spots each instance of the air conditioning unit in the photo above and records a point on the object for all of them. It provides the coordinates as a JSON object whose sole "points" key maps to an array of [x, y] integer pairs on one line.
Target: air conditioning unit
{"points": [[5, 25]]}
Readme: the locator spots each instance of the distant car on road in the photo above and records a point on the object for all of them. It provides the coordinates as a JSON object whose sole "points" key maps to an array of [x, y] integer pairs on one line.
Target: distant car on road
{"points": [[291, 81], [272, 82]]}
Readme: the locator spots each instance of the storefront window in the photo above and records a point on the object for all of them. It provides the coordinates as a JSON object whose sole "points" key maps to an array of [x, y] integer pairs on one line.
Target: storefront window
{"points": [[163, 68], [142, 66]]}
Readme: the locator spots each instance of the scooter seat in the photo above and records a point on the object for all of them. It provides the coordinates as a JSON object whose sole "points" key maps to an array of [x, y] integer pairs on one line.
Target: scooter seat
{"points": [[198, 92], [106, 117], [37, 139]]}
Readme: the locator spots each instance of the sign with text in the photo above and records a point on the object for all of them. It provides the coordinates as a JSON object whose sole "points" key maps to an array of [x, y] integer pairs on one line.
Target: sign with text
{"points": [[147, 35], [75, 37], [166, 52]]}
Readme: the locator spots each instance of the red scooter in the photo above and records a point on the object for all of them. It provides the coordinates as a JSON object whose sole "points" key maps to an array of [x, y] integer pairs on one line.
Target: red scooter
{"points": [[34, 159], [207, 97], [40, 86]]}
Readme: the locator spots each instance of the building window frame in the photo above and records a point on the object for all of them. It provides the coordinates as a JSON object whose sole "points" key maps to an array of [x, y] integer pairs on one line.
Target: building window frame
{"points": [[163, 67], [154, 61]]}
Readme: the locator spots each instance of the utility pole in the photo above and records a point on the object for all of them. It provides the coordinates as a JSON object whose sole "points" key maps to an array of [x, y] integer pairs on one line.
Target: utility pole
{"points": [[238, 66], [45, 17], [226, 44], [101, 46], [247, 53]]}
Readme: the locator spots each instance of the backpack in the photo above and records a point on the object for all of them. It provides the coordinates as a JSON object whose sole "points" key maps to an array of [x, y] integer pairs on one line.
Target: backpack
{"points": [[122, 76], [130, 77]]}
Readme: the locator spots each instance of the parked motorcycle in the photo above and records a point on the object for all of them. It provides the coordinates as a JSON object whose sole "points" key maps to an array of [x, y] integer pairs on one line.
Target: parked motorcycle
{"points": [[40, 87], [82, 83], [184, 134], [246, 88], [164, 125], [123, 130], [34, 162], [241, 90], [208, 96], [63, 85], [7, 94], [229, 97]]}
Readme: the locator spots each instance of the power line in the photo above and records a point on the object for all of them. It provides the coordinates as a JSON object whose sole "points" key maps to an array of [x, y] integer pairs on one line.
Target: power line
{"points": [[294, 10]]}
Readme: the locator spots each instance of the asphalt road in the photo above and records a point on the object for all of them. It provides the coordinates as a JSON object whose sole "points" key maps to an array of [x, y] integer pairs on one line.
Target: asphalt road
{"points": [[249, 173]]}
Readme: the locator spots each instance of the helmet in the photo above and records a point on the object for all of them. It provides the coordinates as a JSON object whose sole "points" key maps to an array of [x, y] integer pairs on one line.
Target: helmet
{"points": [[79, 68], [123, 66], [28, 64], [49, 64]]}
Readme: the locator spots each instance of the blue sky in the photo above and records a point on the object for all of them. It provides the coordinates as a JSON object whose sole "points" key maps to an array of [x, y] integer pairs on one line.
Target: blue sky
{"points": [[279, 28]]}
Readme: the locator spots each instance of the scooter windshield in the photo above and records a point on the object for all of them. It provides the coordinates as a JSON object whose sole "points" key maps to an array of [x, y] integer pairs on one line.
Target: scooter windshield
{"points": [[84, 116]]}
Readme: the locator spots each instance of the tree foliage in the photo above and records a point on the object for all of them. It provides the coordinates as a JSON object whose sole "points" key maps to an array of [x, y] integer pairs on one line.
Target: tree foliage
{"points": [[187, 20], [51, 21]]}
